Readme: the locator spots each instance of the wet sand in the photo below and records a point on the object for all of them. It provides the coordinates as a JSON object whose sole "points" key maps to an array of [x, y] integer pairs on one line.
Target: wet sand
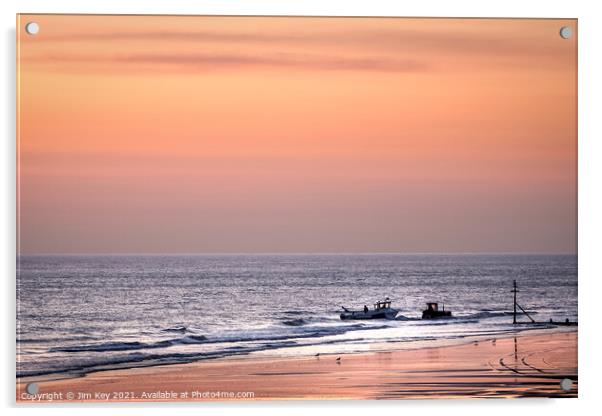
{"points": [[522, 366]]}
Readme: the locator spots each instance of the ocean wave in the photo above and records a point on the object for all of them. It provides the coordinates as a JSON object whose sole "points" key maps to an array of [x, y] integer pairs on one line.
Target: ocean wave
{"points": [[401, 317], [111, 346], [190, 339], [140, 359], [259, 336], [177, 328], [84, 365], [486, 315], [294, 322], [299, 328], [296, 312], [43, 340], [496, 314]]}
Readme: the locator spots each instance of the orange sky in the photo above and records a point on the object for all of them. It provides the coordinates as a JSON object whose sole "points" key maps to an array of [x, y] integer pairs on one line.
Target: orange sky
{"points": [[241, 134]]}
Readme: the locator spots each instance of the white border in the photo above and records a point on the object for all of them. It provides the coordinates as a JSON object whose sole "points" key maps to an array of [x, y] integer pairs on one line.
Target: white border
{"points": [[590, 206]]}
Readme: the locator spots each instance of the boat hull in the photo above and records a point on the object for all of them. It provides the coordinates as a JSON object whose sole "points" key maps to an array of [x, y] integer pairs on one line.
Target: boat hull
{"points": [[388, 313]]}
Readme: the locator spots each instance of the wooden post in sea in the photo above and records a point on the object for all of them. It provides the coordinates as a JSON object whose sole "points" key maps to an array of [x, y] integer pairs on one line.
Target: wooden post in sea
{"points": [[514, 290]]}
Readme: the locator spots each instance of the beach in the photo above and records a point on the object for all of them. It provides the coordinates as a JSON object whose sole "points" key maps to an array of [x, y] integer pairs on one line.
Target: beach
{"points": [[525, 365]]}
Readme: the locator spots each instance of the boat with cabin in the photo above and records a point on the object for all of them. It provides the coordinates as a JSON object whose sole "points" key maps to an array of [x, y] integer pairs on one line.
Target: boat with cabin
{"points": [[382, 310]]}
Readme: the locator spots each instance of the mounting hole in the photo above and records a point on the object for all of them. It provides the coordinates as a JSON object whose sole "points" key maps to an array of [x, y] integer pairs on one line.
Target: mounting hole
{"points": [[32, 28], [566, 384], [566, 32], [32, 388]]}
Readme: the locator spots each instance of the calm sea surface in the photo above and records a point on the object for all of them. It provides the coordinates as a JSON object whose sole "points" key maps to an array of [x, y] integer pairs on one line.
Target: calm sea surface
{"points": [[84, 313]]}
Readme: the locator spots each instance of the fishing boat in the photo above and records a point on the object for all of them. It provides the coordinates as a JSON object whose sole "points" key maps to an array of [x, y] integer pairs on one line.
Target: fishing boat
{"points": [[382, 310], [432, 311]]}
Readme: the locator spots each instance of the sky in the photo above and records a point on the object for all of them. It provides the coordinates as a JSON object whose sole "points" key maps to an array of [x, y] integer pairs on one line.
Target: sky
{"points": [[140, 134]]}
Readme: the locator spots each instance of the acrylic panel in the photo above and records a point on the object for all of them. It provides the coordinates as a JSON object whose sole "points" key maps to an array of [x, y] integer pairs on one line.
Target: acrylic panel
{"points": [[249, 208]]}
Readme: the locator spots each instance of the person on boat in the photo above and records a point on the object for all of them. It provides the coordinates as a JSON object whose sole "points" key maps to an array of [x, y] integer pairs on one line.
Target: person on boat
{"points": [[365, 309]]}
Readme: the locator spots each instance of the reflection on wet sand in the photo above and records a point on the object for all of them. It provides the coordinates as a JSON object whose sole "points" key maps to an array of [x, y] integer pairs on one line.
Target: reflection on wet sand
{"points": [[534, 369]]}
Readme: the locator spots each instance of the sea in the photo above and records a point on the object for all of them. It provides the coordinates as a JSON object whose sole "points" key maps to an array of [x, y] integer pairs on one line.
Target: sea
{"points": [[84, 313]]}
